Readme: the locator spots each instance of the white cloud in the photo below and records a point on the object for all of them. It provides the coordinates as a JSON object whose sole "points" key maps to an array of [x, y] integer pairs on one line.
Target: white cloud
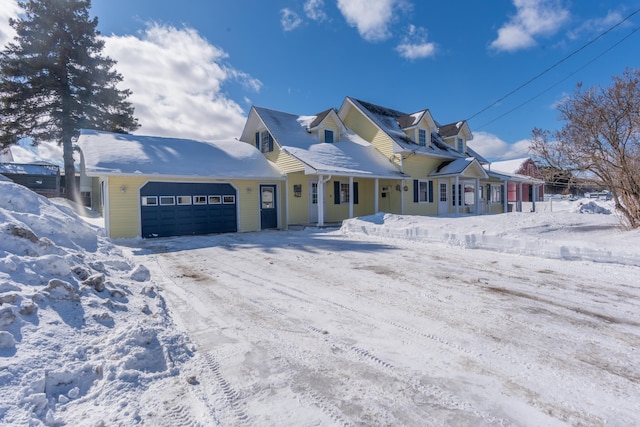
{"points": [[370, 17], [176, 78], [596, 25], [415, 45], [492, 148], [533, 18], [289, 19], [8, 9], [314, 9]]}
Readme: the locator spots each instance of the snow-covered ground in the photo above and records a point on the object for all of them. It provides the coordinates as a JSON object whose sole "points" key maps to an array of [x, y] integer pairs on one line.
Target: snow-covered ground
{"points": [[515, 319]]}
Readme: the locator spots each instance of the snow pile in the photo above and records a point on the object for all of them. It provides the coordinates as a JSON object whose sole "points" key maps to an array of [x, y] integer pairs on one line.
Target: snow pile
{"points": [[566, 235], [82, 330], [590, 207]]}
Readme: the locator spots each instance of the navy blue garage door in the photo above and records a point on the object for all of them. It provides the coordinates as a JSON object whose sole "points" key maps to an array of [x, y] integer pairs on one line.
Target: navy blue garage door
{"points": [[179, 209]]}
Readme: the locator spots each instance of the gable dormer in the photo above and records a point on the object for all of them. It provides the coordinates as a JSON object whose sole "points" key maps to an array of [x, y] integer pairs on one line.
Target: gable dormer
{"points": [[418, 127], [325, 126], [456, 135]]}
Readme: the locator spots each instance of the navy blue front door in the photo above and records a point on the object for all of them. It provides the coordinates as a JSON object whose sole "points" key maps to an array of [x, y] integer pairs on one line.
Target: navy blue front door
{"points": [[268, 208]]}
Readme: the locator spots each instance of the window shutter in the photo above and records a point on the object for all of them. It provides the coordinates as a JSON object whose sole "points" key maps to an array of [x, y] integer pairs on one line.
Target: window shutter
{"points": [[430, 191], [416, 189], [355, 193], [336, 192], [270, 143], [258, 140]]}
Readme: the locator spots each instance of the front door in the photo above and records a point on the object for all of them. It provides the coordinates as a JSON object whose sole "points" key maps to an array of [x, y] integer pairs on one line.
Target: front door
{"points": [[313, 201], [443, 197], [268, 210]]}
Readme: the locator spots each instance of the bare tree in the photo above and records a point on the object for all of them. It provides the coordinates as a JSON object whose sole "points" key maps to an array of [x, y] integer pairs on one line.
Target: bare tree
{"points": [[600, 138]]}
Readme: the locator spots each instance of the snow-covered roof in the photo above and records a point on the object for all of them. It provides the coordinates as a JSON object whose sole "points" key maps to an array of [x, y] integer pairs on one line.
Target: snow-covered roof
{"points": [[349, 156], [388, 120], [507, 170], [458, 167], [6, 156], [109, 153], [29, 169], [509, 166]]}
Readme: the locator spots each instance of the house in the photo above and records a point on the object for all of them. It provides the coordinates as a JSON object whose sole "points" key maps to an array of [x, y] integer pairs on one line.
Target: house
{"points": [[332, 172], [446, 177], [151, 186], [524, 182], [43, 178]]}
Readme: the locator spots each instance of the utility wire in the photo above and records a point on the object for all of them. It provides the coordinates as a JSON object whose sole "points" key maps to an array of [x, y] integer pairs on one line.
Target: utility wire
{"points": [[599, 36], [561, 81]]}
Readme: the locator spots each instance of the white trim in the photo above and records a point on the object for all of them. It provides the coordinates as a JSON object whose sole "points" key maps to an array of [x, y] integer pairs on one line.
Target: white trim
{"points": [[106, 206]]}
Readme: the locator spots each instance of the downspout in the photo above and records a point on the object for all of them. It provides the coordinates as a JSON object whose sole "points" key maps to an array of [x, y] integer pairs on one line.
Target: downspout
{"points": [[106, 207], [351, 196], [321, 183], [401, 187]]}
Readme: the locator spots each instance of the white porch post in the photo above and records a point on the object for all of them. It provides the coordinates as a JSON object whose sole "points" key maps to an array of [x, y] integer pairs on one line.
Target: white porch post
{"points": [[376, 193], [457, 195], [286, 202], [320, 200], [477, 197], [519, 197], [402, 196], [351, 197]]}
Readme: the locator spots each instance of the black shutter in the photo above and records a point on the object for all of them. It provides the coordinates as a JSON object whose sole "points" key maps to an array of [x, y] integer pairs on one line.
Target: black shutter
{"points": [[258, 140], [355, 193], [416, 190], [336, 192], [430, 191]]}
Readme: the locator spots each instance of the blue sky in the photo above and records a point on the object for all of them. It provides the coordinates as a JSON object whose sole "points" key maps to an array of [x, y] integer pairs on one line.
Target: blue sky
{"points": [[197, 66]]}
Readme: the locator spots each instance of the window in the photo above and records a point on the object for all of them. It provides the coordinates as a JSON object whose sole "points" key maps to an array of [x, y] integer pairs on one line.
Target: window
{"points": [[184, 200], [227, 200], [443, 192], [342, 194], [422, 137], [167, 200], [496, 193], [199, 200], [314, 193], [215, 200], [328, 135], [422, 191], [460, 145], [149, 201], [469, 194], [266, 142]]}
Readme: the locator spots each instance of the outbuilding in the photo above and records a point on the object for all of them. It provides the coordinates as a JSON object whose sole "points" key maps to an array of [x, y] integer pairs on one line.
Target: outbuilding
{"points": [[151, 186]]}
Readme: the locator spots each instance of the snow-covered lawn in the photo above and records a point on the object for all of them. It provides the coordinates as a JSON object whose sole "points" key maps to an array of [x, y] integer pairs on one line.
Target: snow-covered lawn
{"points": [[516, 319]]}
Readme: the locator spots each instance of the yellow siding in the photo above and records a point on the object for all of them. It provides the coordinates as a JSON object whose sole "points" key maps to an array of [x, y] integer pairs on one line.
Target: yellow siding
{"points": [[124, 206], [360, 124], [419, 167], [298, 206]]}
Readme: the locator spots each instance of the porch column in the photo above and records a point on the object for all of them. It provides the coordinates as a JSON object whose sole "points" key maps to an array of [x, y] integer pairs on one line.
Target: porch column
{"points": [[477, 197], [519, 197], [351, 197], [456, 195], [402, 196], [376, 194], [320, 201]]}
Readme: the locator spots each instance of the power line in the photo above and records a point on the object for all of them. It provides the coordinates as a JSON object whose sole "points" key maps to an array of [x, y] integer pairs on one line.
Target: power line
{"points": [[590, 42], [561, 81]]}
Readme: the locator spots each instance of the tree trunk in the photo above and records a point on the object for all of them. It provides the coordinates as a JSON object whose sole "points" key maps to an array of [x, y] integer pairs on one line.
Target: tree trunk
{"points": [[71, 192]]}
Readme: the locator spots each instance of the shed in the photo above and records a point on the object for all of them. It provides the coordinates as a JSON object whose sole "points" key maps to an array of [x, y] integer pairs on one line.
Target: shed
{"points": [[43, 178]]}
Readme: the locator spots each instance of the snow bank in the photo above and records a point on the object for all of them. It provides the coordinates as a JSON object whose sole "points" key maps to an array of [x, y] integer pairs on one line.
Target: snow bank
{"points": [[569, 234], [82, 330]]}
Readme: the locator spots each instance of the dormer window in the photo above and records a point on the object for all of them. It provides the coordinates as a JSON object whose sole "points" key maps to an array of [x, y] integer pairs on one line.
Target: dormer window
{"points": [[460, 145], [422, 137], [328, 136], [264, 141]]}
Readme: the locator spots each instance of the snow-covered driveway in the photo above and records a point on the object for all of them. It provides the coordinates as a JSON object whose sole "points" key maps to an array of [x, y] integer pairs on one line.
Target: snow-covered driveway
{"points": [[318, 328]]}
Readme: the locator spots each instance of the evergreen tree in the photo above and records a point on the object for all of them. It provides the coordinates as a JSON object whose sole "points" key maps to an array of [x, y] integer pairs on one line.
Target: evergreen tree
{"points": [[55, 81]]}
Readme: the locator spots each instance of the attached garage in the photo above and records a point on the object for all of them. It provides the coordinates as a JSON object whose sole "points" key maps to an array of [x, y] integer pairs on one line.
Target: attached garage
{"points": [[179, 208], [159, 187]]}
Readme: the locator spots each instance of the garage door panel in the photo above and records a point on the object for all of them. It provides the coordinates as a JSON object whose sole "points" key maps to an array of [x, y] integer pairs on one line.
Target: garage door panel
{"points": [[189, 219]]}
